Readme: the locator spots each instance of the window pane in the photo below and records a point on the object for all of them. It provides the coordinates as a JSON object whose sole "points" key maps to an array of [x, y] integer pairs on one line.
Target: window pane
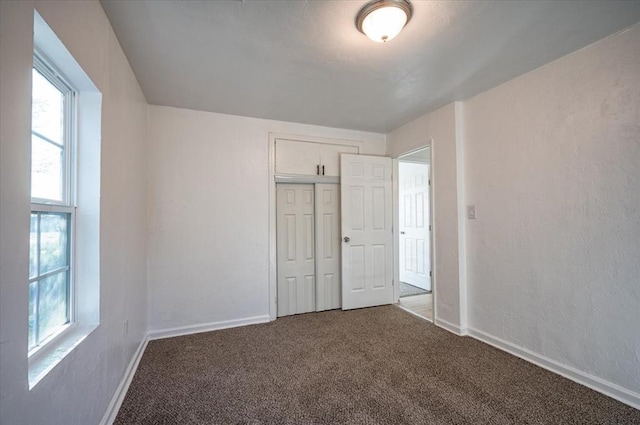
{"points": [[32, 314], [52, 304], [53, 241], [33, 246], [46, 109], [47, 165]]}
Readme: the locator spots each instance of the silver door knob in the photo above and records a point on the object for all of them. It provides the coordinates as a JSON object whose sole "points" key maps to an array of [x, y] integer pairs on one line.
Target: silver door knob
{"points": [[347, 239]]}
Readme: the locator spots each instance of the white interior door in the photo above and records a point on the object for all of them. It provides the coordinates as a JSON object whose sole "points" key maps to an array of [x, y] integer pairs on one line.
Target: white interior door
{"points": [[328, 292], [367, 247], [413, 182], [295, 244]]}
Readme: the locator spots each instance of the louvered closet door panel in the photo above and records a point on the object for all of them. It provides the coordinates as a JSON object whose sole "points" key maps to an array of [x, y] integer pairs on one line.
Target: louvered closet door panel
{"points": [[295, 244], [328, 247]]}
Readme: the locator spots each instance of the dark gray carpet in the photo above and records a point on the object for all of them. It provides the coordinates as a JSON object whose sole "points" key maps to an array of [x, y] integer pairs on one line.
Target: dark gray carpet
{"points": [[371, 366], [407, 290]]}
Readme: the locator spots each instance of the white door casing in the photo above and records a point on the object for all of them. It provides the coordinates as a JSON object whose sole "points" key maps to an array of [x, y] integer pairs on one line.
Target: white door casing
{"points": [[414, 262], [295, 244], [328, 276], [367, 247]]}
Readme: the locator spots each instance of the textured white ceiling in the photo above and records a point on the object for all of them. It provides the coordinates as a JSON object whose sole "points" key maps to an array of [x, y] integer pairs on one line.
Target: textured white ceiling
{"points": [[304, 61]]}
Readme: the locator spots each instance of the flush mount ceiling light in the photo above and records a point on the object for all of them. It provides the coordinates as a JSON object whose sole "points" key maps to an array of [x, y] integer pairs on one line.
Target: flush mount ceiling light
{"points": [[381, 20]]}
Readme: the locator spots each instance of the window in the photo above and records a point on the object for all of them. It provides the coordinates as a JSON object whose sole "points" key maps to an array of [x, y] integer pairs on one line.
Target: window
{"points": [[52, 204], [64, 256]]}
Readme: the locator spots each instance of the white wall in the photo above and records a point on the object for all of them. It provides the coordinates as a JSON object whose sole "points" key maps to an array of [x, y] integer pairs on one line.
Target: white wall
{"points": [[209, 214], [551, 160], [80, 388], [552, 163], [439, 127]]}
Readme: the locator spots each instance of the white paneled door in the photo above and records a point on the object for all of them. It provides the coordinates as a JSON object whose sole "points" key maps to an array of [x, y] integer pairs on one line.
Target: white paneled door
{"points": [[414, 261], [367, 246], [328, 278], [295, 244]]}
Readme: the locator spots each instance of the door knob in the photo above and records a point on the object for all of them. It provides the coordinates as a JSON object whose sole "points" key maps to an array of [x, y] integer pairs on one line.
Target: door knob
{"points": [[402, 233], [347, 238]]}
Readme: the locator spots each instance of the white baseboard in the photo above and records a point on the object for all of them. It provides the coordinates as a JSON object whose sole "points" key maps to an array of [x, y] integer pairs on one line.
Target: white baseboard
{"points": [[206, 327], [610, 389], [456, 329], [121, 391]]}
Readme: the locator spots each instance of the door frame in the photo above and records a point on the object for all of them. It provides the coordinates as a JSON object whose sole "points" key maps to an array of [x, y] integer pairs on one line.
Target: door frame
{"points": [[273, 261], [396, 225]]}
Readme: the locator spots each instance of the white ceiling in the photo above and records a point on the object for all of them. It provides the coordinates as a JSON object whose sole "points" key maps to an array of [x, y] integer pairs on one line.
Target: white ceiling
{"points": [[304, 61]]}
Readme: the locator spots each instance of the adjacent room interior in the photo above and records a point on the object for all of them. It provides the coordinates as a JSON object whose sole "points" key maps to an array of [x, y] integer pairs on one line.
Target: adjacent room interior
{"points": [[280, 212], [414, 233]]}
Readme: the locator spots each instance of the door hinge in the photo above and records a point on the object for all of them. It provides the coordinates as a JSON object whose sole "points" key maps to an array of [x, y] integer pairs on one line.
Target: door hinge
{"points": [[429, 182], [430, 273], [429, 227]]}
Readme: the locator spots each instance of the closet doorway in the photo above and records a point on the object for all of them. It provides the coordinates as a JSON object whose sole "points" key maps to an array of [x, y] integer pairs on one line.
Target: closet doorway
{"points": [[330, 226], [414, 233]]}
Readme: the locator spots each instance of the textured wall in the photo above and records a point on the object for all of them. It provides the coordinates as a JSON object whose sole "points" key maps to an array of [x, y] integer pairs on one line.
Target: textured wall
{"points": [[553, 167], [439, 126], [79, 389], [209, 213]]}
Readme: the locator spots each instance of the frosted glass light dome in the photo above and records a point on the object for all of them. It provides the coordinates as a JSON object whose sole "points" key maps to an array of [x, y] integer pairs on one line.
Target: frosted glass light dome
{"points": [[382, 20]]}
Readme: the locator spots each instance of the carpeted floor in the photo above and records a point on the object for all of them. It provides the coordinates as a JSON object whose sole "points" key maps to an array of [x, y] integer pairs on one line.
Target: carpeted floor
{"points": [[407, 290], [370, 366]]}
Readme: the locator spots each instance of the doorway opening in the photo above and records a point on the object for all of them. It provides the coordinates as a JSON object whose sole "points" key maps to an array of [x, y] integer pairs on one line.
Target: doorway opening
{"points": [[414, 244]]}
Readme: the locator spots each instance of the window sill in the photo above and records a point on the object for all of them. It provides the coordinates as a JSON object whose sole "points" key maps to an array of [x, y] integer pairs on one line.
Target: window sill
{"points": [[46, 358]]}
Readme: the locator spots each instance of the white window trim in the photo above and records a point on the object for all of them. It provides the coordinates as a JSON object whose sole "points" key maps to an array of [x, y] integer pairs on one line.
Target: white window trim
{"points": [[67, 205], [52, 340], [85, 193], [45, 67]]}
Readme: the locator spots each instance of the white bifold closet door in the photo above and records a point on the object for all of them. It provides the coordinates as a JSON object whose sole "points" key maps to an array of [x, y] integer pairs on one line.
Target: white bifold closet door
{"points": [[295, 246], [329, 288], [308, 247]]}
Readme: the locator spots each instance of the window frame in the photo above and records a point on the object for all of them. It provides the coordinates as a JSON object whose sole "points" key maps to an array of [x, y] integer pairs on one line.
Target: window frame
{"points": [[67, 205]]}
